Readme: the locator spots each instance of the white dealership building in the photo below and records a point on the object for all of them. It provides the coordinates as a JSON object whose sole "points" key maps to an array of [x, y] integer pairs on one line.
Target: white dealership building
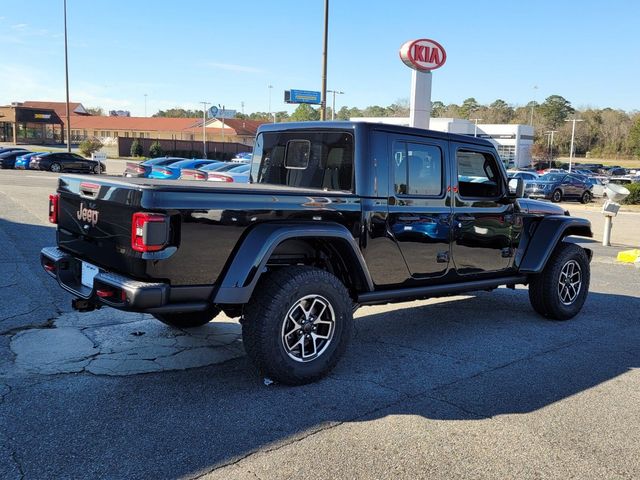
{"points": [[513, 142]]}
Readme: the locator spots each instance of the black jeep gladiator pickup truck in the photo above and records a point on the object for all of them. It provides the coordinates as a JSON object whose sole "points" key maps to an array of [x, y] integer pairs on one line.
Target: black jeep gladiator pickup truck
{"points": [[337, 215]]}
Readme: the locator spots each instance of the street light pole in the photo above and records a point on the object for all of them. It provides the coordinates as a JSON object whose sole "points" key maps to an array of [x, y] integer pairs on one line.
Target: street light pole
{"points": [[145, 104], [270, 87], [573, 134], [66, 79], [323, 103], [204, 129], [550, 134], [222, 107], [475, 129], [333, 103]]}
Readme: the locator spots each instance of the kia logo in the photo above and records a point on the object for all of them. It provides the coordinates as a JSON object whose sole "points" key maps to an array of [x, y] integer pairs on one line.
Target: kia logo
{"points": [[423, 55]]}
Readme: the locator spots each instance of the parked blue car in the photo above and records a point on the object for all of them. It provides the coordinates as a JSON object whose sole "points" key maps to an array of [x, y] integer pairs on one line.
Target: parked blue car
{"points": [[172, 171], [22, 162], [238, 174], [143, 169]]}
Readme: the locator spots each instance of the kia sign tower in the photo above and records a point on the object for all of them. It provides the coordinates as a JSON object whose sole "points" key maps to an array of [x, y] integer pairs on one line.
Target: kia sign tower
{"points": [[422, 56]]}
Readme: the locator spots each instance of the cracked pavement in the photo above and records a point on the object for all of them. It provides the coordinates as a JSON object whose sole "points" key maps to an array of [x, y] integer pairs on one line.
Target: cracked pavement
{"points": [[474, 386]]}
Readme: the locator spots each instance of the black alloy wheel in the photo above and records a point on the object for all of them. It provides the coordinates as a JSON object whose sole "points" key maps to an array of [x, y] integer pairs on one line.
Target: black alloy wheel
{"points": [[560, 290], [556, 196], [297, 324]]}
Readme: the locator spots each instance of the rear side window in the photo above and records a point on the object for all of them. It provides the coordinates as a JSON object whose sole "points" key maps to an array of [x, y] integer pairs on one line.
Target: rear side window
{"points": [[305, 159], [478, 175], [417, 169]]}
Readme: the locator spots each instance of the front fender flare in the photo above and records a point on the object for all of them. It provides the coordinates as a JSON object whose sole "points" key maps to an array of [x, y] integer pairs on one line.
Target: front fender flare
{"points": [[536, 248], [250, 259]]}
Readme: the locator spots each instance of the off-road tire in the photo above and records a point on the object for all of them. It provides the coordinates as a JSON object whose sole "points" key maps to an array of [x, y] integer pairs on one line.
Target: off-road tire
{"points": [[586, 197], [556, 196], [265, 316], [544, 291], [55, 167], [188, 320]]}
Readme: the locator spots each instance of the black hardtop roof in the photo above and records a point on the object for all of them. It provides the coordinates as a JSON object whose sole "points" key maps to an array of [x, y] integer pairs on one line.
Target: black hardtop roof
{"points": [[345, 125]]}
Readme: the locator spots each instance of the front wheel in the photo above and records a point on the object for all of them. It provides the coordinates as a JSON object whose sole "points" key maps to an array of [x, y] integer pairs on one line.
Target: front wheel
{"points": [[297, 324], [55, 167], [96, 169], [560, 290], [586, 197], [557, 196]]}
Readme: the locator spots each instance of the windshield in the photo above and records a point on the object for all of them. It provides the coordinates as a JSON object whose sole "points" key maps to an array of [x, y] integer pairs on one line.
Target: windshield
{"points": [[308, 159]]}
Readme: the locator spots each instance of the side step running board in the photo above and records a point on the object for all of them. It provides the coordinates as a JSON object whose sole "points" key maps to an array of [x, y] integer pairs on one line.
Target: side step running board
{"points": [[383, 296]]}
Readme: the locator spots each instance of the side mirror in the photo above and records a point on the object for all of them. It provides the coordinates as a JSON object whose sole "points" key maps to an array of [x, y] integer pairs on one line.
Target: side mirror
{"points": [[516, 187]]}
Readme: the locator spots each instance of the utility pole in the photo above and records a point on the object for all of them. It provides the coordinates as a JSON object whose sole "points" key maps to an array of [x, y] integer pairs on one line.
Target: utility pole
{"points": [[573, 134], [270, 87], [145, 104], [204, 129], [333, 103], [222, 107], [323, 103], [66, 79], [475, 128]]}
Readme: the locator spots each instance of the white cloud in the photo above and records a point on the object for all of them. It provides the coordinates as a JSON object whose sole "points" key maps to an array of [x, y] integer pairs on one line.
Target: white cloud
{"points": [[19, 26], [233, 67]]}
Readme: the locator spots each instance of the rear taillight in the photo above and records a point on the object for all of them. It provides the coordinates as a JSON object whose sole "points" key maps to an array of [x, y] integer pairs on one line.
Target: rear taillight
{"points": [[140, 169], [165, 171], [216, 177], [199, 176], [149, 232], [53, 207]]}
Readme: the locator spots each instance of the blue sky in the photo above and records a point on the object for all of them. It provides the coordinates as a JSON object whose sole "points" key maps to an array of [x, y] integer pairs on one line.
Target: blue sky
{"points": [[183, 52]]}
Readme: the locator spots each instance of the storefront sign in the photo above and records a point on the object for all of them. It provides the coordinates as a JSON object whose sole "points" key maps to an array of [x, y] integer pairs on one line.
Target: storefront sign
{"points": [[423, 55]]}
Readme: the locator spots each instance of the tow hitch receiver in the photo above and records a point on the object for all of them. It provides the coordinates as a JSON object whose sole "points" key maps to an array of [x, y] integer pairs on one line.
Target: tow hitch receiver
{"points": [[82, 305]]}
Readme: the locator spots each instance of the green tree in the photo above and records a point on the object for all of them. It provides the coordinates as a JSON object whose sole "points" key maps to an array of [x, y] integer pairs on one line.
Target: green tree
{"points": [[136, 148], [437, 108], [633, 140], [469, 106], [555, 110], [89, 146], [499, 112], [99, 111], [305, 112], [156, 150], [178, 112]]}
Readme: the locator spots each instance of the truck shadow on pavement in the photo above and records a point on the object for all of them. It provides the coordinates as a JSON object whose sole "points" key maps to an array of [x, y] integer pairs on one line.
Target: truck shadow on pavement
{"points": [[456, 359]]}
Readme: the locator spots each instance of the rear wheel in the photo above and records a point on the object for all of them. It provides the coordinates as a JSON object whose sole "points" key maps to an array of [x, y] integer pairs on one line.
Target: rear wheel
{"points": [[298, 324], [560, 290], [586, 197], [55, 167], [556, 196], [96, 169], [188, 320]]}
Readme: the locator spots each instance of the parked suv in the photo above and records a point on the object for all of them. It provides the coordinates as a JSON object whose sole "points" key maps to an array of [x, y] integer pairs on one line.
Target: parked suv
{"points": [[560, 186]]}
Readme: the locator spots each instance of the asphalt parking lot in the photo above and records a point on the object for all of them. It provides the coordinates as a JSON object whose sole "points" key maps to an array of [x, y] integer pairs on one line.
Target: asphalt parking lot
{"points": [[474, 386]]}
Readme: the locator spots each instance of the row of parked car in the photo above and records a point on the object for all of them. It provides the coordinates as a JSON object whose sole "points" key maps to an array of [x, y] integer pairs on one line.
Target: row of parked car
{"points": [[176, 168], [23, 159], [580, 184]]}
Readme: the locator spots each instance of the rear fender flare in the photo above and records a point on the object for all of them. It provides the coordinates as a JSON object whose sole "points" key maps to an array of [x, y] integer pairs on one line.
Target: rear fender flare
{"points": [[536, 247], [250, 258]]}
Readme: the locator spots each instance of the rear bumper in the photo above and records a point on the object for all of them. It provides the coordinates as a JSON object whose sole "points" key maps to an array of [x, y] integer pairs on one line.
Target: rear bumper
{"points": [[119, 291]]}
